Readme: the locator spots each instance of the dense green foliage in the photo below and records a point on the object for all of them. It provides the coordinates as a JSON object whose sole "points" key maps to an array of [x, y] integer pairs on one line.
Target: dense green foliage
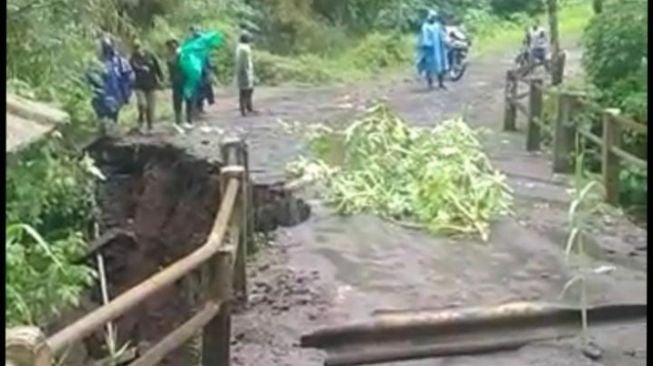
{"points": [[615, 54], [614, 58], [48, 213], [439, 179]]}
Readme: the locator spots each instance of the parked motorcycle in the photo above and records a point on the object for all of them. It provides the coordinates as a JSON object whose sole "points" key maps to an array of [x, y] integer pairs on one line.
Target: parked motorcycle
{"points": [[459, 45]]}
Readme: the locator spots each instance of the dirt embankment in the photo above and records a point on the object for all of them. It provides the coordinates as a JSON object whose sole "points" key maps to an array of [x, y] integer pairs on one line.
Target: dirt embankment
{"points": [[162, 202]]}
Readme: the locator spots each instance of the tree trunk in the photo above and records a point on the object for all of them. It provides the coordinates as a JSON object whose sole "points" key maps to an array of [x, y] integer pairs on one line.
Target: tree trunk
{"points": [[552, 9]]}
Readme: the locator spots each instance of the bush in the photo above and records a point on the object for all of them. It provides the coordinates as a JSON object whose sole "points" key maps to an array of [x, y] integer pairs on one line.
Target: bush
{"points": [[274, 69], [614, 58], [48, 213], [379, 50], [615, 43]]}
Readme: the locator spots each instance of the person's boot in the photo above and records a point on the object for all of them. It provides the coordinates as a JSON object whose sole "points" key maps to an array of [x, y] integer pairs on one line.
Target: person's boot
{"points": [[141, 116], [429, 82], [250, 105], [149, 118], [441, 82]]}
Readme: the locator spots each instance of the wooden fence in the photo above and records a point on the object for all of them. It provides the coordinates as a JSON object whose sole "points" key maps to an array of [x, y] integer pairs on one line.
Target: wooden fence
{"points": [[566, 128], [223, 273]]}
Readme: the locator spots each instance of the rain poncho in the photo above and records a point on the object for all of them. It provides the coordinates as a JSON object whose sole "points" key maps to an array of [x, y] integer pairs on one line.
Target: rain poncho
{"points": [[111, 78], [432, 49], [244, 67], [193, 55]]}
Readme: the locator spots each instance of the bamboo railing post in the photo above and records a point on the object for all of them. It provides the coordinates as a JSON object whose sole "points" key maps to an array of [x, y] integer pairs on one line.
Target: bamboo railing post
{"points": [[534, 115], [610, 162], [216, 335], [564, 135], [237, 229], [245, 224], [510, 114], [234, 152], [26, 346]]}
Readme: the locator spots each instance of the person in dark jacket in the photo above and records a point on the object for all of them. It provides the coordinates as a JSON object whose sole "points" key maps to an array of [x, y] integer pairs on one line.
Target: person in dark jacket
{"points": [[177, 84], [148, 79], [206, 88]]}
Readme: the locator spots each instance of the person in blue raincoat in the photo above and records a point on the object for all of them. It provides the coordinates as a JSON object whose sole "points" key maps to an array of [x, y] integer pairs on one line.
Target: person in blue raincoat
{"points": [[112, 80], [432, 51]]}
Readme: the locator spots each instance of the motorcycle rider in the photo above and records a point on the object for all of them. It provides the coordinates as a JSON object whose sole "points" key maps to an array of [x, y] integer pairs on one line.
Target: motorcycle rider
{"points": [[538, 42]]}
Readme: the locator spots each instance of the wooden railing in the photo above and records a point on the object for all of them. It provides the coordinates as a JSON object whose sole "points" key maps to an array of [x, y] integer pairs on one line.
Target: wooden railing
{"points": [[566, 127], [223, 273]]}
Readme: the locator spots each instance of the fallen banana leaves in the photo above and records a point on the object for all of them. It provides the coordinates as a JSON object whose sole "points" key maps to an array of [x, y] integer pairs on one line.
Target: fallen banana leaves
{"points": [[437, 179]]}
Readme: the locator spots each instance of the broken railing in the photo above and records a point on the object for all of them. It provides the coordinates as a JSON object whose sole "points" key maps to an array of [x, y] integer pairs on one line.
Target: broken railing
{"points": [[566, 127], [221, 261]]}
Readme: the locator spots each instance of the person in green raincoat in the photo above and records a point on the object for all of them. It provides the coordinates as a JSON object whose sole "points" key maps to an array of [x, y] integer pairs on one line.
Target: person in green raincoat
{"points": [[193, 54]]}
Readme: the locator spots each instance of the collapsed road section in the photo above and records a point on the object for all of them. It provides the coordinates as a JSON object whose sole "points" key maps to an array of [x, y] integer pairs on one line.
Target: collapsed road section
{"points": [[156, 204]]}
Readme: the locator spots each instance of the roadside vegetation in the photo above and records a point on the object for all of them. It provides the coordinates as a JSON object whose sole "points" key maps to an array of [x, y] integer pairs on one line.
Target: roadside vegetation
{"points": [[50, 186]]}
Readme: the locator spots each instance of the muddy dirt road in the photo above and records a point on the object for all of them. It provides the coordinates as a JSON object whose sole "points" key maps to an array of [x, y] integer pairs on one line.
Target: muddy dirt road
{"points": [[331, 270]]}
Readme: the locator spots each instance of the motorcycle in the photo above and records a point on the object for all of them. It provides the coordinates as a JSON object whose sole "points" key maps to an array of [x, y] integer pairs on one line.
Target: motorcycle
{"points": [[458, 51]]}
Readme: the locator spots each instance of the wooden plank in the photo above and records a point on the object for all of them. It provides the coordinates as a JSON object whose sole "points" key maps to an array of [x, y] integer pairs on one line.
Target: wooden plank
{"points": [[457, 323], [153, 284], [414, 352], [179, 336], [629, 158], [535, 101], [610, 161]]}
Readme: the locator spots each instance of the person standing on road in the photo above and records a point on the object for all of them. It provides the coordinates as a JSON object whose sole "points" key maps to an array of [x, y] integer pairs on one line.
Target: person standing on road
{"points": [[111, 79], [206, 88], [205, 92], [432, 52], [148, 80], [245, 74], [176, 83]]}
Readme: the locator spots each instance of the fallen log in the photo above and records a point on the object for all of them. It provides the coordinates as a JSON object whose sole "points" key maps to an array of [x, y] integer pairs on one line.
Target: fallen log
{"points": [[413, 352], [456, 322]]}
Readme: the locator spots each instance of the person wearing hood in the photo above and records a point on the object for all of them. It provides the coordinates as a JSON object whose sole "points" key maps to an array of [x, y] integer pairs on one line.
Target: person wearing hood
{"points": [[112, 79], [205, 92], [245, 74], [432, 50]]}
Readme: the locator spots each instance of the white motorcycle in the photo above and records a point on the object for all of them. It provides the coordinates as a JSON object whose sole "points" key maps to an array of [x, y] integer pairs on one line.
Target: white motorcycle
{"points": [[459, 46]]}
